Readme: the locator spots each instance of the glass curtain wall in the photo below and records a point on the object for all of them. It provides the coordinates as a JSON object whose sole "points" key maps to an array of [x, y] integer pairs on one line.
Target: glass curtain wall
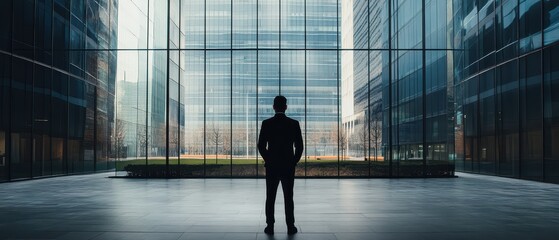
{"points": [[57, 87], [169, 88], [369, 81], [506, 110]]}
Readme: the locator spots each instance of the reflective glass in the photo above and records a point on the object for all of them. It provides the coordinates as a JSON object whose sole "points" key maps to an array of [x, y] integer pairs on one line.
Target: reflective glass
{"points": [[218, 113], [218, 24], [551, 114], [244, 24], [244, 107], [550, 22], [322, 114], [193, 142], [530, 25]]}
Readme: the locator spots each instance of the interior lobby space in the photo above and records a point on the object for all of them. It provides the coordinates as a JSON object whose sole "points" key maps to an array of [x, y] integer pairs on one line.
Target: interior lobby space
{"points": [[101, 208]]}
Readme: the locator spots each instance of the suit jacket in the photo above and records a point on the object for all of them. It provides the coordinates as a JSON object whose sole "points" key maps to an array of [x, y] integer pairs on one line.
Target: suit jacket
{"points": [[279, 136]]}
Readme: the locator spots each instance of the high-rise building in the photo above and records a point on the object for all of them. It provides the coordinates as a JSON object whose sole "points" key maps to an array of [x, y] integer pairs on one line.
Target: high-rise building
{"points": [[57, 87]]}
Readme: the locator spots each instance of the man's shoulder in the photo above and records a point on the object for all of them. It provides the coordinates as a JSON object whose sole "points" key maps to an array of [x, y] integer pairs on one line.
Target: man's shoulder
{"points": [[293, 120], [267, 120]]}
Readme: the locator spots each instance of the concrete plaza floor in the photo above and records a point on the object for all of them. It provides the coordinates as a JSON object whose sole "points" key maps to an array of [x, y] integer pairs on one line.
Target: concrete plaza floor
{"points": [[101, 208]]}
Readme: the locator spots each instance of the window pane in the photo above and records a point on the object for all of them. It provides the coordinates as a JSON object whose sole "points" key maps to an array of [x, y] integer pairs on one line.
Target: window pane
{"points": [[531, 166], [218, 114], [193, 24], [268, 23], [132, 24], [244, 24], [292, 86], [530, 28], [322, 116], [354, 112], [551, 22], [245, 126], [293, 24], [268, 88], [508, 121], [193, 79], [5, 79], [322, 23], [156, 107], [218, 20], [551, 114]]}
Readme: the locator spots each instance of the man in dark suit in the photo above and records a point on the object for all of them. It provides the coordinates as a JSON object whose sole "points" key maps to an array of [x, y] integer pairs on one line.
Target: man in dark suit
{"points": [[281, 145]]}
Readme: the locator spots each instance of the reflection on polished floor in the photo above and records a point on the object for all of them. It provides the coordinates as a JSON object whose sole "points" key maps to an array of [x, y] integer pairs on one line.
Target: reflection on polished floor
{"points": [[100, 208]]}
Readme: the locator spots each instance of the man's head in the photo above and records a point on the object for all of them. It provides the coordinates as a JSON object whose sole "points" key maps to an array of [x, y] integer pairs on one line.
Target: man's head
{"points": [[280, 103]]}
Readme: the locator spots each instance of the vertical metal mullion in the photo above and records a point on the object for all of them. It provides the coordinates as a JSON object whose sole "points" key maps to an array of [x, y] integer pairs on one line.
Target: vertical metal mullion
{"points": [[68, 106], [147, 93], [518, 91], [338, 79], [497, 156], [542, 98], [10, 92], [519, 117], [32, 137], [109, 51], [305, 32], [51, 82], [390, 127], [66, 147], [179, 97], [167, 128], [205, 78], [368, 116], [279, 47], [115, 95], [231, 89], [424, 87], [9, 132], [257, 80]]}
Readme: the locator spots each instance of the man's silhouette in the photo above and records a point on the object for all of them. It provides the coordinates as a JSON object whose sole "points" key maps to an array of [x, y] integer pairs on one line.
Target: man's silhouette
{"points": [[279, 136]]}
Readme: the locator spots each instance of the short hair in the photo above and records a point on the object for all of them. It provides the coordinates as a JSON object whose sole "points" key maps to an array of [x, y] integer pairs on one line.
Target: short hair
{"points": [[280, 101]]}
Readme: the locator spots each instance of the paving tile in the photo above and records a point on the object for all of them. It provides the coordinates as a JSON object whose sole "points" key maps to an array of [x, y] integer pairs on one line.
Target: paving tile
{"points": [[96, 207], [137, 236]]}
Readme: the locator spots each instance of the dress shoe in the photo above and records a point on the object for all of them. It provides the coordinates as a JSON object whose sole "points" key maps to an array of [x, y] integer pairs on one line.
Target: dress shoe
{"points": [[291, 230], [269, 230]]}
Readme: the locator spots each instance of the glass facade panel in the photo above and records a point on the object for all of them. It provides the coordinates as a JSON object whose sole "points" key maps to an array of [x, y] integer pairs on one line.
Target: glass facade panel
{"points": [[244, 24], [218, 24], [530, 81], [355, 93], [508, 119], [293, 24], [244, 118], [193, 24], [439, 122], [268, 32], [292, 86], [550, 22], [5, 97], [218, 113], [512, 96], [530, 25], [193, 161], [157, 107], [551, 114], [322, 17], [268, 76]]}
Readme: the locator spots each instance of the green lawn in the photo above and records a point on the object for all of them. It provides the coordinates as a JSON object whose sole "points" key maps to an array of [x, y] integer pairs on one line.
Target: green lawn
{"points": [[211, 161], [246, 167]]}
